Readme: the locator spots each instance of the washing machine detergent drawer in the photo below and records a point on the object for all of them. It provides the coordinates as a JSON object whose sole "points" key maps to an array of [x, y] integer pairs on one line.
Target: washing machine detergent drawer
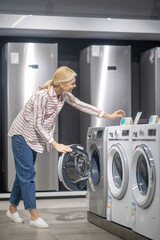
{"points": [[74, 168]]}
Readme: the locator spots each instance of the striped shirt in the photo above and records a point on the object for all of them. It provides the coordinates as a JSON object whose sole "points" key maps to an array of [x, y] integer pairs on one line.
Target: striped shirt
{"points": [[36, 121]]}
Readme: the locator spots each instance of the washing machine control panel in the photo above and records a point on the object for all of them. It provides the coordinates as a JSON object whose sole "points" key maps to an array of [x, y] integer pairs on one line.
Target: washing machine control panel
{"points": [[95, 134], [139, 133], [151, 132], [118, 133], [145, 132], [142, 132]]}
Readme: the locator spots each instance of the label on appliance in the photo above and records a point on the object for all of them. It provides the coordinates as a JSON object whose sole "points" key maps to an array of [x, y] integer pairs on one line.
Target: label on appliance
{"points": [[151, 56], [88, 59], [125, 50], [87, 198], [95, 51], [109, 206], [133, 215], [14, 57]]}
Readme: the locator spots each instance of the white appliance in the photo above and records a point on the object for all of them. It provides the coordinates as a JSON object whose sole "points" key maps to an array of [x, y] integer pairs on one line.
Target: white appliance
{"points": [[145, 180], [25, 67], [97, 152], [118, 167]]}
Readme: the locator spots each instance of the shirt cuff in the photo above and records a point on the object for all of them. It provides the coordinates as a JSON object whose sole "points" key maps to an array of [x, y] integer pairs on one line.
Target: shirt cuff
{"points": [[101, 114], [51, 140]]}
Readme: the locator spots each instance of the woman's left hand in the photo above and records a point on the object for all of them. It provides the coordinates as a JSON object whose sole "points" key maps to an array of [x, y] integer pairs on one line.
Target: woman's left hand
{"points": [[116, 114]]}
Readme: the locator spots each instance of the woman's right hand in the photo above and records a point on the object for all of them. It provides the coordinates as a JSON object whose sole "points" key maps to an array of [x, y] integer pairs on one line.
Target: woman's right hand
{"points": [[61, 147]]}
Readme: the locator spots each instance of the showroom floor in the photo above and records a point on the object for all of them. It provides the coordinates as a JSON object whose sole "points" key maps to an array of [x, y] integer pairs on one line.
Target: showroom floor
{"points": [[67, 219]]}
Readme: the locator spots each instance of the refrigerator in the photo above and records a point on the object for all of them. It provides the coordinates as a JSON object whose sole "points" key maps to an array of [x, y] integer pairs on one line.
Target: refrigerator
{"points": [[105, 82], [25, 66], [150, 82]]}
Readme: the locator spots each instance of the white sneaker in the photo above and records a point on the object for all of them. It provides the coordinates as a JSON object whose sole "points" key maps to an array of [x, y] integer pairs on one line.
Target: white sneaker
{"points": [[15, 217], [38, 223]]}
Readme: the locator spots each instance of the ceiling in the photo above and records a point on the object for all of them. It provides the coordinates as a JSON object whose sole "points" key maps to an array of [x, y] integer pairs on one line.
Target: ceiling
{"points": [[128, 9], [102, 19]]}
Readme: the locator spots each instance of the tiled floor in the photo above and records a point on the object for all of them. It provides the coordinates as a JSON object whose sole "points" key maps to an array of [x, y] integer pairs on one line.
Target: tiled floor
{"points": [[67, 219]]}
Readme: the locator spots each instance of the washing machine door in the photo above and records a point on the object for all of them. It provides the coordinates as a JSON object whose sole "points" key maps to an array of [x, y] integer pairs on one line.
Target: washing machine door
{"points": [[143, 176], [95, 161], [74, 168], [118, 171]]}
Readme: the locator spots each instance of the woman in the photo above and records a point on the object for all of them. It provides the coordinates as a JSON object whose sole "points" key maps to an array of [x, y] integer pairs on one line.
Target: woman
{"points": [[32, 131]]}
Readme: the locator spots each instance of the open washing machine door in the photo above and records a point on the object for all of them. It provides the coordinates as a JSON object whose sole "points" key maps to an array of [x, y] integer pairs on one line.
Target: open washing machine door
{"points": [[143, 176], [74, 168], [118, 171]]}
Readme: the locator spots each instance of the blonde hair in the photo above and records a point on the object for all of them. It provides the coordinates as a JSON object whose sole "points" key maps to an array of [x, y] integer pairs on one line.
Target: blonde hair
{"points": [[62, 74]]}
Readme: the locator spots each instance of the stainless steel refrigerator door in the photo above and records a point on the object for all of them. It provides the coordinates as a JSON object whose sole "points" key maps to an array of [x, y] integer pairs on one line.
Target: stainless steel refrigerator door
{"points": [[105, 82], [28, 66], [110, 81], [150, 82], [46, 170], [157, 73]]}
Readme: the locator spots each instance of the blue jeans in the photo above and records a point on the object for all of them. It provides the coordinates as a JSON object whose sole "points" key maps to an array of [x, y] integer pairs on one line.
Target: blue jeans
{"points": [[24, 185]]}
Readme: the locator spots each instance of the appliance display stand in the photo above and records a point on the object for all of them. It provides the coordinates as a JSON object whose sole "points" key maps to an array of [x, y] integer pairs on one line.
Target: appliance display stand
{"points": [[116, 229]]}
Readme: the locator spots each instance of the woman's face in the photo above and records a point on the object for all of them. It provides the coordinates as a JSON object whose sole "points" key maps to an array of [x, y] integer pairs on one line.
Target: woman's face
{"points": [[69, 86]]}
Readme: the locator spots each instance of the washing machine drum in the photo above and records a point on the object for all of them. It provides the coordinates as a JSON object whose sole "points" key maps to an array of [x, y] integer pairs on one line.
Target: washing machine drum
{"points": [[74, 168], [95, 164], [118, 171], [143, 176]]}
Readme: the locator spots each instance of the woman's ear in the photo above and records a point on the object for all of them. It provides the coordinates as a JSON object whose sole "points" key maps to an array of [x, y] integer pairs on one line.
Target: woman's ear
{"points": [[61, 84]]}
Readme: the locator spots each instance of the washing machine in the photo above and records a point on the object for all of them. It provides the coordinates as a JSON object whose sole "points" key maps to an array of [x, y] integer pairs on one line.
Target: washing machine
{"points": [[97, 151], [145, 180], [83, 167], [118, 167]]}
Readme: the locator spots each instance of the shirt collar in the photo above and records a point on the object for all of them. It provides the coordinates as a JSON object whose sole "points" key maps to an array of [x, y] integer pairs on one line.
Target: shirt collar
{"points": [[53, 94]]}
